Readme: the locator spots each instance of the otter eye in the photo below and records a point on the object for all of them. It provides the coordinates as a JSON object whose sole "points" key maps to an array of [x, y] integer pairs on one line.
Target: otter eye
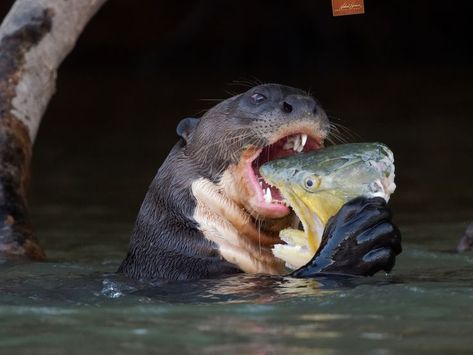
{"points": [[312, 182], [257, 98]]}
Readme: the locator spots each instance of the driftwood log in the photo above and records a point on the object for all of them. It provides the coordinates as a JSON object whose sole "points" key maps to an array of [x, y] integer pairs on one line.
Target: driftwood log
{"points": [[35, 37]]}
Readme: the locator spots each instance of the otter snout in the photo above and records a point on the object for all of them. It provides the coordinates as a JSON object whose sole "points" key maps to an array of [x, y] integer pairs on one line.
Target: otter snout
{"points": [[299, 105]]}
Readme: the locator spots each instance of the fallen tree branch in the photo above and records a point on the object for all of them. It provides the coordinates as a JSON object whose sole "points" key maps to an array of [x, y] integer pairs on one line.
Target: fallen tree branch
{"points": [[35, 37]]}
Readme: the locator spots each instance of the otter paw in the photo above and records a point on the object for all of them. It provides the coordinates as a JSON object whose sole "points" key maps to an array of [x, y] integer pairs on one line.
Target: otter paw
{"points": [[360, 240]]}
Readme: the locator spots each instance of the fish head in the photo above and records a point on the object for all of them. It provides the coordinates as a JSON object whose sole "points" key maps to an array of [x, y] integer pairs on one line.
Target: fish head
{"points": [[317, 184]]}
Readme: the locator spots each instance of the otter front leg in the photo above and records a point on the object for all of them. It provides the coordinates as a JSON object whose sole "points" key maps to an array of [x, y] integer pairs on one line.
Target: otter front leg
{"points": [[360, 240]]}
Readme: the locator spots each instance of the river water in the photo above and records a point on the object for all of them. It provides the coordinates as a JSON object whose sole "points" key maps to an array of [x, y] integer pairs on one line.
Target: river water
{"points": [[92, 166], [75, 304]]}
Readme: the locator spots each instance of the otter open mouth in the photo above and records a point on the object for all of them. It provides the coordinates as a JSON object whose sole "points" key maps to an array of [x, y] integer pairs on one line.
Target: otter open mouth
{"points": [[269, 198]]}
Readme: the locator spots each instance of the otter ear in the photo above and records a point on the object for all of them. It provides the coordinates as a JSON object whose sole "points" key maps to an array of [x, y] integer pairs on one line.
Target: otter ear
{"points": [[186, 126]]}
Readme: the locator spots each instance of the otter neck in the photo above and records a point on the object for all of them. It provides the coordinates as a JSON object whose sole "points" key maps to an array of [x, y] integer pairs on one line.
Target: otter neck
{"points": [[226, 224]]}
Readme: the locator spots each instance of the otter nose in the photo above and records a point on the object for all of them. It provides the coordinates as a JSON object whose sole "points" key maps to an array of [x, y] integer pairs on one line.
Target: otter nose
{"points": [[299, 105]]}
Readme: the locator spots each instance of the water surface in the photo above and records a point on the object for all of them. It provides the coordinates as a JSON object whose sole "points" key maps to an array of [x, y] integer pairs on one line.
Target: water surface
{"points": [[76, 304]]}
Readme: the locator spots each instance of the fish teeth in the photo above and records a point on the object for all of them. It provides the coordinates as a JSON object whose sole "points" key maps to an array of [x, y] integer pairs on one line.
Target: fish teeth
{"points": [[267, 195]]}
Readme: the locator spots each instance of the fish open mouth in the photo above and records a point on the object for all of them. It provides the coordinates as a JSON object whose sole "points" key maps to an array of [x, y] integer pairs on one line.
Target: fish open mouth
{"points": [[269, 201]]}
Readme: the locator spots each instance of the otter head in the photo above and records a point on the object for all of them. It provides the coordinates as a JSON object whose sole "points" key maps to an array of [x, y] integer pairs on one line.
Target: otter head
{"points": [[233, 139]]}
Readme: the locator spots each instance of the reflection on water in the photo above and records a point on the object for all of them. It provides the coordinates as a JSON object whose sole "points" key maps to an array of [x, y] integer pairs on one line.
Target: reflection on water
{"points": [[82, 306]]}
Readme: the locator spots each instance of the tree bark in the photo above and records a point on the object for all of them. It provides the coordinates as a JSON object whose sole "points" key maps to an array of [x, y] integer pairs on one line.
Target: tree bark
{"points": [[35, 37]]}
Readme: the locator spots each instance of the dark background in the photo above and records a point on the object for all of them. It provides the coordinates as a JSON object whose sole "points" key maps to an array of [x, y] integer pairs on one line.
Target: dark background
{"points": [[401, 74]]}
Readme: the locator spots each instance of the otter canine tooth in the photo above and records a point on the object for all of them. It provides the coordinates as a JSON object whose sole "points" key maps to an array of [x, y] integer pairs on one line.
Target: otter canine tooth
{"points": [[304, 139], [267, 196], [297, 143]]}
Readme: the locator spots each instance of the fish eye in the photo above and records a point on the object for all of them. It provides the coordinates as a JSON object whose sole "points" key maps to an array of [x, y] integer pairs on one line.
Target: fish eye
{"points": [[312, 182], [257, 98]]}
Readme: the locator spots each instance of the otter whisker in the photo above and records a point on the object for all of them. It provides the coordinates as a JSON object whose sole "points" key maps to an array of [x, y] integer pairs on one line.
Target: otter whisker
{"points": [[330, 140], [228, 142], [228, 137], [234, 156], [335, 138], [259, 237], [342, 128], [338, 135]]}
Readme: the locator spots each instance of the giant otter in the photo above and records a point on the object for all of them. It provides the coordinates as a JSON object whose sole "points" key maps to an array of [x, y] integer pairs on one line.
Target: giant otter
{"points": [[208, 212]]}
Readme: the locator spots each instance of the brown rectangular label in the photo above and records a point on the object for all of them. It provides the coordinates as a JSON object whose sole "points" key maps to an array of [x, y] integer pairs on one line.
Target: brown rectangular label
{"points": [[348, 7]]}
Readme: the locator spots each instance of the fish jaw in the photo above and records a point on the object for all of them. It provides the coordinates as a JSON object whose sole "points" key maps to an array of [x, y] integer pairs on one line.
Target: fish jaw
{"points": [[296, 251], [314, 210]]}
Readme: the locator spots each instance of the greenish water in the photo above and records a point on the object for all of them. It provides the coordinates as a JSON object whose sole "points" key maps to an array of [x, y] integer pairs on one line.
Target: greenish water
{"points": [[75, 304]]}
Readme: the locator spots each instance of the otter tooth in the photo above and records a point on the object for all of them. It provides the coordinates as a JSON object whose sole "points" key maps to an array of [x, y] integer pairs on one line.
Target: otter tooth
{"points": [[300, 148], [303, 139], [288, 145], [267, 196], [297, 143]]}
